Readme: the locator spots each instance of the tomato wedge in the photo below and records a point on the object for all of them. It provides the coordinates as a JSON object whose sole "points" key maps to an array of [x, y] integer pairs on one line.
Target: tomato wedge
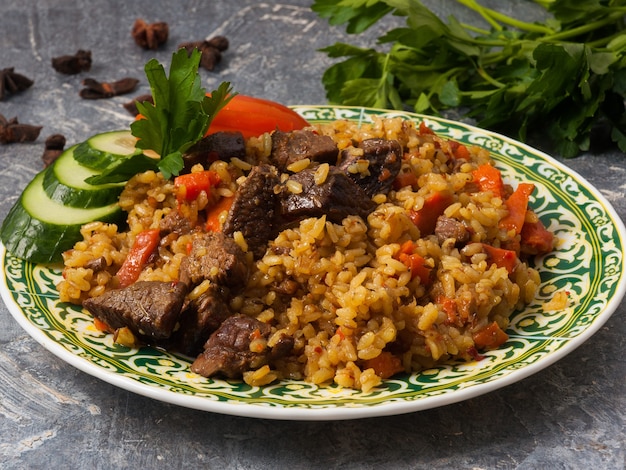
{"points": [[255, 116]]}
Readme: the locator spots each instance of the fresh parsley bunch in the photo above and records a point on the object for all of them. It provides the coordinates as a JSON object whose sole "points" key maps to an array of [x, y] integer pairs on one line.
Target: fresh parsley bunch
{"points": [[565, 78]]}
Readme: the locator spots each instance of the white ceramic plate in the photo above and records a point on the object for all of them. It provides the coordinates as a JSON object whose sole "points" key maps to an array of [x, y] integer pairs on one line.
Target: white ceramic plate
{"points": [[588, 263]]}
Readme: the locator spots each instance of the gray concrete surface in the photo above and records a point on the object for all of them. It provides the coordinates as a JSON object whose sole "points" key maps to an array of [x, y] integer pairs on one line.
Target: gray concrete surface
{"points": [[569, 416]]}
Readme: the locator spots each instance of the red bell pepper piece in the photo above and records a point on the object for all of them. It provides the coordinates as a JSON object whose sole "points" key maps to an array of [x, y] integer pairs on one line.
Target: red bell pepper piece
{"points": [[415, 262], [213, 214], [459, 150], [425, 219], [190, 185], [450, 309], [145, 243], [536, 238], [405, 178], [517, 204], [254, 116], [424, 129], [501, 257], [385, 365], [489, 178], [101, 326], [490, 337]]}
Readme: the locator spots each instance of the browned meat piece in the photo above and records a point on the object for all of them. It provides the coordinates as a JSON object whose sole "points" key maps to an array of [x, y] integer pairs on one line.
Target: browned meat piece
{"points": [[290, 147], [227, 352], [384, 159], [337, 197], [149, 308], [200, 318], [253, 209], [218, 146], [282, 347], [218, 259], [174, 222], [215, 257], [97, 264], [448, 227]]}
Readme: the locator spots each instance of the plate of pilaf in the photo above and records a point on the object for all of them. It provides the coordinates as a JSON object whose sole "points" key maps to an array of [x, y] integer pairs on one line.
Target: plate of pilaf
{"points": [[386, 311]]}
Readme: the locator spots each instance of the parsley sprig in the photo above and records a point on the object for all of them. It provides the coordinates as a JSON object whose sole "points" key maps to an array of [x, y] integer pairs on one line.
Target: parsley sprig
{"points": [[181, 113], [565, 78], [179, 117]]}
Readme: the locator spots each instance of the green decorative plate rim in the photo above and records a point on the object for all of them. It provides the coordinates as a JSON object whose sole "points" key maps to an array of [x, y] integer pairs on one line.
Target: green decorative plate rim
{"points": [[588, 263]]}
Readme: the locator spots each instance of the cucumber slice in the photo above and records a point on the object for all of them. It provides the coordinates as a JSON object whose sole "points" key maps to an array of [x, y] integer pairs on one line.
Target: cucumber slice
{"points": [[64, 182], [103, 150], [39, 229]]}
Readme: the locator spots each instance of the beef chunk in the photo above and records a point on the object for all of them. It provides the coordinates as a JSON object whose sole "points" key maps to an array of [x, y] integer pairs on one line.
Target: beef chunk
{"points": [[97, 264], [174, 222], [283, 347], [253, 209], [448, 227], [215, 257], [337, 197], [149, 308], [218, 259], [290, 147], [218, 146], [227, 352], [200, 318], [384, 159]]}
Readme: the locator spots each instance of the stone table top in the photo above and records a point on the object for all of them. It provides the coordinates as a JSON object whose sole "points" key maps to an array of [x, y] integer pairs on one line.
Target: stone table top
{"points": [[570, 415]]}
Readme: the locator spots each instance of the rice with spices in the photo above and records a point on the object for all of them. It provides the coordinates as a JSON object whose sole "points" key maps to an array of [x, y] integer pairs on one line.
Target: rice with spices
{"points": [[364, 299]]}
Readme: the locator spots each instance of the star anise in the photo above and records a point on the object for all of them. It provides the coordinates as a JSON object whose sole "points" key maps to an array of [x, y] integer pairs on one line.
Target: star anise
{"points": [[95, 90], [73, 64], [150, 35], [12, 82], [12, 131], [211, 50]]}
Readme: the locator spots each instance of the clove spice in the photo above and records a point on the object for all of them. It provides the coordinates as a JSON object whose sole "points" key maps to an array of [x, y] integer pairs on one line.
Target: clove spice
{"points": [[149, 35], [73, 64], [95, 90], [211, 50], [12, 82], [131, 106], [11, 131], [54, 147]]}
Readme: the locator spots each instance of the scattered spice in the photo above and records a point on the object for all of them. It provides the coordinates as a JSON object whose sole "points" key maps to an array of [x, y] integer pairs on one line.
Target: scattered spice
{"points": [[73, 64], [149, 35], [12, 131], [54, 147], [95, 90], [12, 82], [211, 50], [218, 42], [131, 106]]}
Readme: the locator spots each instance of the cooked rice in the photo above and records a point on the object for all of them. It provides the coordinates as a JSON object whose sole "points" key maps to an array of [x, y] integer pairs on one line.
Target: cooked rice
{"points": [[354, 298]]}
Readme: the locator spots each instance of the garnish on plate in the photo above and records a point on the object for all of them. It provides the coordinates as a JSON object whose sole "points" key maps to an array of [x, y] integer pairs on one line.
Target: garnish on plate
{"points": [[182, 111], [179, 117]]}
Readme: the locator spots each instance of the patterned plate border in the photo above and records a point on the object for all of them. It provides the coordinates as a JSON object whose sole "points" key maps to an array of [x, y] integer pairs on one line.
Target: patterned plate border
{"points": [[588, 263]]}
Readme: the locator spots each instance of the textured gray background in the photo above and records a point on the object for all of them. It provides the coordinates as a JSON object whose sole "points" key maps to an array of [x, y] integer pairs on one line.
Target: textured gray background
{"points": [[571, 415]]}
